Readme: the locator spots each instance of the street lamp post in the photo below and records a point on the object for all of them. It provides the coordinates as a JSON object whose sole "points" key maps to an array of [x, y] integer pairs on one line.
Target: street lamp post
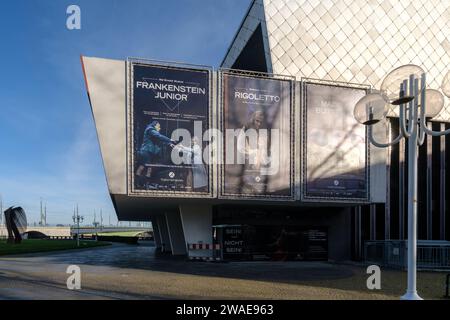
{"points": [[77, 219], [401, 88]]}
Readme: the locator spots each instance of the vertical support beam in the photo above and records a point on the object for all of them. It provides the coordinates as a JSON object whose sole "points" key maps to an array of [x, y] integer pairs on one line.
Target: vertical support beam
{"points": [[447, 183], [429, 188], [373, 222], [197, 225], [159, 232], [358, 245], [401, 189], [176, 235], [164, 231], [387, 207], [156, 233], [442, 202]]}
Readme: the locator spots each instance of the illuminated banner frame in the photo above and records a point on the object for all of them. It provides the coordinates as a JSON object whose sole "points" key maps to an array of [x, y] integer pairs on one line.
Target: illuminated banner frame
{"points": [[322, 196], [222, 109], [133, 154]]}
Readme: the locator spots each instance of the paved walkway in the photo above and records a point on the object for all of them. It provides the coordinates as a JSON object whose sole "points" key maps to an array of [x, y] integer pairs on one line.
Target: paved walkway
{"points": [[133, 272]]}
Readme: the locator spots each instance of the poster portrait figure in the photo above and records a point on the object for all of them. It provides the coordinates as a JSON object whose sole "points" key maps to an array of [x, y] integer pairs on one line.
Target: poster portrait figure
{"points": [[153, 146], [288, 245], [252, 147], [251, 150], [193, 155]]}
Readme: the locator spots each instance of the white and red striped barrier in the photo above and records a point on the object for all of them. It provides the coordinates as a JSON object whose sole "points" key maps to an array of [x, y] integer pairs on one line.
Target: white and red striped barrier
{"points": [[198, 248], [203, 246]]}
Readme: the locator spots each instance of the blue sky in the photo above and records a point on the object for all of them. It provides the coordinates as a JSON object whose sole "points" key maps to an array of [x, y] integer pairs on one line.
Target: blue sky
{"points": [[48, 143]]}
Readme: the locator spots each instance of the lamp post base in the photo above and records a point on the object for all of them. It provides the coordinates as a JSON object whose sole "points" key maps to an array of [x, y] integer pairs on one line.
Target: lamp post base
{"points": [[411, 296]]}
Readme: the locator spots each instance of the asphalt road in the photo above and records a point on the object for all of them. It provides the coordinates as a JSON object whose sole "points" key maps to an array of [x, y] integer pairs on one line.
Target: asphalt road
{"points": [[134, 272]]}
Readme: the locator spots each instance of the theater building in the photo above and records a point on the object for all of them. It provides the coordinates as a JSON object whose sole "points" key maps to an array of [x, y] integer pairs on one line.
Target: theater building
{"points": [[292, 76]]}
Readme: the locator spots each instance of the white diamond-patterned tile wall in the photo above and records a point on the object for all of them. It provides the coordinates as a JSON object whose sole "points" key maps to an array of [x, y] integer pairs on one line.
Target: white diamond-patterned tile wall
{"points": [[359, 40]]}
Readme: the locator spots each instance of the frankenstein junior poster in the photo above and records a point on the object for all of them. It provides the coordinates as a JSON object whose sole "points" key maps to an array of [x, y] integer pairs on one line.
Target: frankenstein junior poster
{"points": [[169, 111]]}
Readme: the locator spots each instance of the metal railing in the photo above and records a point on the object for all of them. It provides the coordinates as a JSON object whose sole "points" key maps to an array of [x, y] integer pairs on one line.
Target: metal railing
{"points": [[431, 254]]}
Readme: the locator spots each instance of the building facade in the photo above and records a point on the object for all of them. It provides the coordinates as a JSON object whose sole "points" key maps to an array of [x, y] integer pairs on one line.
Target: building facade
{"points": [[335, 43], [361, 41]]}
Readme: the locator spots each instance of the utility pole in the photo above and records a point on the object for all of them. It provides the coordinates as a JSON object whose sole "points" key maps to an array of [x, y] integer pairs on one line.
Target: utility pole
{"points": [[76, 219], [95, 225], [1, 210], [101, 219], [43, 219], [40, 219]]}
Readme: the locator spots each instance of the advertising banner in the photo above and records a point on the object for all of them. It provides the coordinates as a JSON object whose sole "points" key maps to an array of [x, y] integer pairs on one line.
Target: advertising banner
{"points": [[284, 243], [335, 151], [169, 112], [233, 243], [257, 128], [275, 242]]}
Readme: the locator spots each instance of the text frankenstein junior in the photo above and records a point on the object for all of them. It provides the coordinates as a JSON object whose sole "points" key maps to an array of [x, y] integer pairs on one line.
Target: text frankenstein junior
{"points": [[181, 92], [170, 91]]}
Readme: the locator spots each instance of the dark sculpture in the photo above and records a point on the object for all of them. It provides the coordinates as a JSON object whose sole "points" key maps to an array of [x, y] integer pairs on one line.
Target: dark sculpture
{"points": [[16, 224]]}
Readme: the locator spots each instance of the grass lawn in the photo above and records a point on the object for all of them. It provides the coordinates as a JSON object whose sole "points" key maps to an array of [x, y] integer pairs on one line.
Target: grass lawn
{"points": [[31, 246]]}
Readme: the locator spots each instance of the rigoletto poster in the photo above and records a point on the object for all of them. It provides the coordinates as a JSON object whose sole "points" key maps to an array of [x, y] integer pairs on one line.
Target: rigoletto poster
{"points": [[169, 111], [257, 126], [334, 146]]}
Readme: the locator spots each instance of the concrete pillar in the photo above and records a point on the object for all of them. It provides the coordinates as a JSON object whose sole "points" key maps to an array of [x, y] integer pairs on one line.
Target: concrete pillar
{"points": [[339, 235], [156, 233], [373, 222], [197, 225], [164, 231], [358, 238], [176, 235]]}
